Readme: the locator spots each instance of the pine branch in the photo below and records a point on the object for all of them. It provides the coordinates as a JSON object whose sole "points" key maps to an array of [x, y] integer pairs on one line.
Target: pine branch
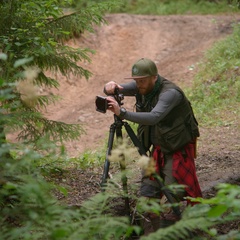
{"points": [[43, 80], [44, 100], [36, 127], [64, 60], [38, 30]]}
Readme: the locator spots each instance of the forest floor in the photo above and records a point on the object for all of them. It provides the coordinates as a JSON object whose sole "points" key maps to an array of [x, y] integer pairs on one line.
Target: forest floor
{"points": [[177, 44]]}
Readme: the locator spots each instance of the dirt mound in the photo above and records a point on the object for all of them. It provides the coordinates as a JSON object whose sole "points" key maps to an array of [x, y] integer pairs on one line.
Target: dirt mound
{"points": [[175, 43]]}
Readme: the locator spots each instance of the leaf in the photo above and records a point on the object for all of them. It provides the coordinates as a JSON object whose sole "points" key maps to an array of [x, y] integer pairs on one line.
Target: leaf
{"points": [[3, 56], [217, 211], [22, 62], [63, 190]]}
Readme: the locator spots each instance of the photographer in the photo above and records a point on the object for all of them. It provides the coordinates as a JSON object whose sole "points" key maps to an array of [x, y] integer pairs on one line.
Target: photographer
{"points": [[167, 128]]}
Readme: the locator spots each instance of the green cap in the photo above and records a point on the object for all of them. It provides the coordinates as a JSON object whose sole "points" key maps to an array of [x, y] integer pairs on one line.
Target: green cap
{"points": [[144, 67]]}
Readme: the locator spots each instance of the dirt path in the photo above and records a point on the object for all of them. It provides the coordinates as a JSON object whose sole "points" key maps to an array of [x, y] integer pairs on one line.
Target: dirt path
{"points": [[176, 44]]}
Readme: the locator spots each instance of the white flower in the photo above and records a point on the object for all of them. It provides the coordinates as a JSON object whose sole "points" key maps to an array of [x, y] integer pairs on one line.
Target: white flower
{"points": [[147, 164], [28, 90]]}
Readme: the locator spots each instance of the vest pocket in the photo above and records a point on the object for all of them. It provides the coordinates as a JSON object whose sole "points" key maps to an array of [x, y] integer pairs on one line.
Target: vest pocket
{"points": [[174, 139]]}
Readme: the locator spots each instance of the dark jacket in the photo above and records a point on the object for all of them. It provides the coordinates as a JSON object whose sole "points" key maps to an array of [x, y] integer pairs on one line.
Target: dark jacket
{"points": [[176, 129]]}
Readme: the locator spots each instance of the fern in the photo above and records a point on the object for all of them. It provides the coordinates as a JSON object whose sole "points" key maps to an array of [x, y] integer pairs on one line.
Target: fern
{"points": [[180, 230]]}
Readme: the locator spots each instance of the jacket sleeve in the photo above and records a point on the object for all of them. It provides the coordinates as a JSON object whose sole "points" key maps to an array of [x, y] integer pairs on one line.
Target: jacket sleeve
{"points": [[166, 102], [129, 89]]}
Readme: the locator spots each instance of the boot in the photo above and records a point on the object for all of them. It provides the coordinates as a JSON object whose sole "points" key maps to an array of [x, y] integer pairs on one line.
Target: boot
{"points": [[151, 223], [168, 218]]}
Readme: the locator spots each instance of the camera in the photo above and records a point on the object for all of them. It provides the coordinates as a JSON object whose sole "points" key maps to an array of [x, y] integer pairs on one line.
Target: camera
{"points": [[102, 103]]}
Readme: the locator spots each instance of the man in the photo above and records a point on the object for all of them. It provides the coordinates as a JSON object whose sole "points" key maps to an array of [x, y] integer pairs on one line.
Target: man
{"points": [[167, 124]]}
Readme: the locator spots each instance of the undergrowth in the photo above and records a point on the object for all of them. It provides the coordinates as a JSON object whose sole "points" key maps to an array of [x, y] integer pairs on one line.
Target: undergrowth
{"points": [[169, 7], [216, 91], [165, 7], [30, 211]]}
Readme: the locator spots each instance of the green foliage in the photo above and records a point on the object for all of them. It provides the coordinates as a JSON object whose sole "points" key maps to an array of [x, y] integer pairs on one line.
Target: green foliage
{"points": [[20, 110], [33, 39], [200, 221], [88, 159], [222, 208], [34, 34], [167, 7], [29, 211], [216, 87], [79, 4]]}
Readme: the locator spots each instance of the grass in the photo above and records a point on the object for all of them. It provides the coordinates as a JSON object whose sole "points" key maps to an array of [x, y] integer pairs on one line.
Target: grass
{"points": [[216, 91], [168, 7]]}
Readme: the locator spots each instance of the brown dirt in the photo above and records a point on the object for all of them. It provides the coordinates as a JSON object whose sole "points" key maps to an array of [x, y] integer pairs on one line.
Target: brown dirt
{"points": [[177, 44]]}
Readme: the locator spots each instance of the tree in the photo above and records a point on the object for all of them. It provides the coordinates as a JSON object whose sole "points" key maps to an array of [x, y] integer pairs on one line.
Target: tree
{"points": [[33, 35]]}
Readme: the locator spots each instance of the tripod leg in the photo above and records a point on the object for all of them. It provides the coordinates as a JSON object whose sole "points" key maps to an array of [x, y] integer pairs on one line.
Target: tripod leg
{"points": [[107, 163], [115, 127], [134, 139]]}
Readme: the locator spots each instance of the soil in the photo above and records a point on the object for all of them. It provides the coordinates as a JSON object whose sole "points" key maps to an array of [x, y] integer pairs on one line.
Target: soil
{"points": [[177, 45]]}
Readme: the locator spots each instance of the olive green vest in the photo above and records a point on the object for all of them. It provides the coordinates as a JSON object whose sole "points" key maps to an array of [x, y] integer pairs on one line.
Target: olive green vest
{"points": [[175, 130]]}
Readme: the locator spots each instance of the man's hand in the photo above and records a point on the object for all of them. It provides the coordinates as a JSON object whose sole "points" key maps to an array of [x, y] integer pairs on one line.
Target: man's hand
{"points": [[109, 88], [113, 105]]}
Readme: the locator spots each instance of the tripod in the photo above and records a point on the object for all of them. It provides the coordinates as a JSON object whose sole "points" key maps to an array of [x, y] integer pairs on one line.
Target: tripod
{"points": [[116, 127]]}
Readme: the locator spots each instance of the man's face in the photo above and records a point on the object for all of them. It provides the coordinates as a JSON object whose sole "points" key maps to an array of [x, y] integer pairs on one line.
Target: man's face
{"points": [[145, 85]]}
